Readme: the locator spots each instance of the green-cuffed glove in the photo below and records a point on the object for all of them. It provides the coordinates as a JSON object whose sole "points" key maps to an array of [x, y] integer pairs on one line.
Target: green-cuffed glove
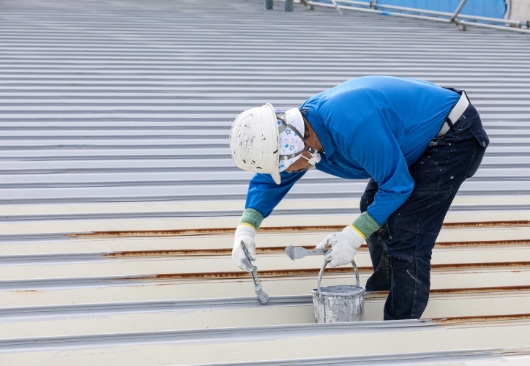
{"points": [[245, 234], [343, 245]]}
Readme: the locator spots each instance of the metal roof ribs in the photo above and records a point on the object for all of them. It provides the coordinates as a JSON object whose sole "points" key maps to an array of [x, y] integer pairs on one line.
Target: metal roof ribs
{"points": [[118, 196]]}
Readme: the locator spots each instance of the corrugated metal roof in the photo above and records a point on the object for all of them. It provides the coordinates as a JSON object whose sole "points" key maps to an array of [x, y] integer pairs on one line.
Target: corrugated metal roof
{"points": [[118, 195]]}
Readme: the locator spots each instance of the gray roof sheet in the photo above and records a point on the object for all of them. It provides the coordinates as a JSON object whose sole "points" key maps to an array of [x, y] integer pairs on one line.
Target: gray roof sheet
{"points": [[103, 101]]}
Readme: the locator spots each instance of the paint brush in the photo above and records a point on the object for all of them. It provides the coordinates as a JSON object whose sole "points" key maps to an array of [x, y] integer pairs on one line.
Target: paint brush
{"points": [[262, 296], [299, 252]]}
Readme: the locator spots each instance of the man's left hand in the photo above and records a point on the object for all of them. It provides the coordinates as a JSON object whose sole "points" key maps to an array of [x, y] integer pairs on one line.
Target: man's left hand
{"points": [[343, 244]]}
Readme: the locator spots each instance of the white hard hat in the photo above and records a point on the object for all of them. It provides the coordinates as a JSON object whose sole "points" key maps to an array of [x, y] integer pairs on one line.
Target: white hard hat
{"points": [[254, 141]]}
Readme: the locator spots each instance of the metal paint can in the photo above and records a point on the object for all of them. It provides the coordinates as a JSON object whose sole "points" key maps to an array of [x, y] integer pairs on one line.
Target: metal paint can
{"points": [[338, 304]]}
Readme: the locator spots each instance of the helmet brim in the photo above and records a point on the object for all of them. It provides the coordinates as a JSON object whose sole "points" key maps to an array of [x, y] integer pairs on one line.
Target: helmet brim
{"points": [[276, 177]]}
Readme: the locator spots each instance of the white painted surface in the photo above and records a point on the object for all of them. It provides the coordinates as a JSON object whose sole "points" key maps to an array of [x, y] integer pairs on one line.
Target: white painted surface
{"points": [[201, 289], [440, 305], [299, 347]]}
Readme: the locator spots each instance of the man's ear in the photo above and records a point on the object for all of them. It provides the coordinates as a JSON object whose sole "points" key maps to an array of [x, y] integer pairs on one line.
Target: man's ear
{"points": [[307, 128]]}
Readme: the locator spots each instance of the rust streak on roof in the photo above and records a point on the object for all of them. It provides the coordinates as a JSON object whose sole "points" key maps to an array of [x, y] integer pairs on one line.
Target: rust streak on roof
{"points": [[281, 250], [487, 224], [314, 271], [241, 274], [174, 253], [480, 290], [221, 231], [199, 252], [483, 243], [460, 291], [482, 318], [480, 265]]}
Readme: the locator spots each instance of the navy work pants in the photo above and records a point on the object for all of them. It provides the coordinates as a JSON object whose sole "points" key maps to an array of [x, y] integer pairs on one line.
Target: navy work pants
{"points": [[401, 249]]}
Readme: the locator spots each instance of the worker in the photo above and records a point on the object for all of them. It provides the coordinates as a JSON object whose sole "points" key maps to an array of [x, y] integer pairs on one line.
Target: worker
{"points": [[417, 143]]}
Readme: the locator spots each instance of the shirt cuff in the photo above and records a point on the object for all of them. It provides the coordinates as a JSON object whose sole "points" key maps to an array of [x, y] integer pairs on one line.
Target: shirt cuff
{"points": [[252, 217], [366, 224]]}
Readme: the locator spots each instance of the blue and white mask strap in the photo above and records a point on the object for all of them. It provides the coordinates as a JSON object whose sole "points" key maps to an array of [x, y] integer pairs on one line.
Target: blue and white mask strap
{"points": [[315, 154]]}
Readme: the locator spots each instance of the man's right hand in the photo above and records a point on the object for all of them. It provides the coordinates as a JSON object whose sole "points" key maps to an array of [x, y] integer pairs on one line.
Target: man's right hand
{"points": [[245, 234]]}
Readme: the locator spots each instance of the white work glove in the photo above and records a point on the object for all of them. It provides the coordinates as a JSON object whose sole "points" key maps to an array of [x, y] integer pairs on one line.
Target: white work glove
{"points": [[246, 234], [343, 244]]}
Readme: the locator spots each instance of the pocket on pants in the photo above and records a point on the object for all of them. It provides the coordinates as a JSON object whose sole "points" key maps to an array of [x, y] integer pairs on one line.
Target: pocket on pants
{"points": [[483, 141]]}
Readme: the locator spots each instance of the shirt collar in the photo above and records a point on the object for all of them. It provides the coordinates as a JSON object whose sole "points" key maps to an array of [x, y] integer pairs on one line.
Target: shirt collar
{"points": [[317, 124]]}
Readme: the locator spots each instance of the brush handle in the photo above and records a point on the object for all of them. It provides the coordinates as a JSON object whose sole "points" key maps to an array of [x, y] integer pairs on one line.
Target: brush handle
{"points": [[245, 250], [299, 252], [262, 296]]}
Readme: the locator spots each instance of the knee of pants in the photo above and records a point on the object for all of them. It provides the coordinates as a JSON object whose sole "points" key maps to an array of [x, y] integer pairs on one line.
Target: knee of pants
{"points": [[412, 250], [415, 266], [401, 261]]}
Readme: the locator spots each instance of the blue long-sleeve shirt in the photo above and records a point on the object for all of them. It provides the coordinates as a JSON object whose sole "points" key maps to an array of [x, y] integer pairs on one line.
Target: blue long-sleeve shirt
{"points": [[369, 127]]}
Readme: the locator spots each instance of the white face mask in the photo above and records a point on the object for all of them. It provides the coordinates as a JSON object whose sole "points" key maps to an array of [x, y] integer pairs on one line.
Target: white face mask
{"points": [[315, 158], [291, 144]]}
